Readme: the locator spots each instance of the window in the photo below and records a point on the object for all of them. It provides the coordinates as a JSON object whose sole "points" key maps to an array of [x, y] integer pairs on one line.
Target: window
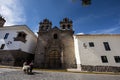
{"points": [[55, 36], [63, 27], [68, 26], [2, 46], [21, 34], [117, 59], [106, 45], [47, 27], [104, 59], [6, 35], [21, 37], [91, 44]]}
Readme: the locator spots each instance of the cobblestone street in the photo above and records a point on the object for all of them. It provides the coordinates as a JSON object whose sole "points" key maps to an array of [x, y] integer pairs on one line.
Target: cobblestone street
{"points": [[17, 74]]}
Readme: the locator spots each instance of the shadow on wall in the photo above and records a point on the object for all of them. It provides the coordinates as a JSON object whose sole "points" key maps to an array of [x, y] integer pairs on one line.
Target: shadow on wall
{"points": [[14, 57]]}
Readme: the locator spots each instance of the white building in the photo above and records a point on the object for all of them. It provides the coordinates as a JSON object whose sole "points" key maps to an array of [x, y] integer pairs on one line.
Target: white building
{"points": [[17, 43], [97, 52], [17, 38]]}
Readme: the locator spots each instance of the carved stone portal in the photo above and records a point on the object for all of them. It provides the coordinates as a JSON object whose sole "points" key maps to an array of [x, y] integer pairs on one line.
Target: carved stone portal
{"points": [[53, 60]]}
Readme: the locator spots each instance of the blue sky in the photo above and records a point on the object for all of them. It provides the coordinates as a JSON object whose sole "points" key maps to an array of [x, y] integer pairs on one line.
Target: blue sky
{"points": [[101, 17]]}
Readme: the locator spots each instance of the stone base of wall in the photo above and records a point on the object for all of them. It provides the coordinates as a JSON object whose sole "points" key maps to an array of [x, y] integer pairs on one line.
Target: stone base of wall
{"points": [[14, 57], [100, 68]]}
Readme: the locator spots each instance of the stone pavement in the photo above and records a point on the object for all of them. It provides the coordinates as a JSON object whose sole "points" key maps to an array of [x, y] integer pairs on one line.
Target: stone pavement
{"points": [[17, 74], [3, 70]]}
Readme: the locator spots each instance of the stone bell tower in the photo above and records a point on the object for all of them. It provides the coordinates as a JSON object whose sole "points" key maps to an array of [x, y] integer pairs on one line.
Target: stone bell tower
{"points": [[66, 27], [2, 21], [66, 24], [45, 25]]}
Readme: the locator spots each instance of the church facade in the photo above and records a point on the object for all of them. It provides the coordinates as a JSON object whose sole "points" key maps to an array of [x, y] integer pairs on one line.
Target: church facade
{"points": [[55, 47]]}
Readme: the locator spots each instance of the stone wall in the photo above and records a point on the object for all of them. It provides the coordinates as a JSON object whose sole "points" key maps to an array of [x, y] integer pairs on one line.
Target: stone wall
{"points": [[14, 57], [68, 49], [100, 68]]}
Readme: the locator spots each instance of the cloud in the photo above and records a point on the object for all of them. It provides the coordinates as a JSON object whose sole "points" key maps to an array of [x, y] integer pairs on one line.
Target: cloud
{"points": [[81, 33], [107, 31], [13, 11], [115, 29], [35, 32]]}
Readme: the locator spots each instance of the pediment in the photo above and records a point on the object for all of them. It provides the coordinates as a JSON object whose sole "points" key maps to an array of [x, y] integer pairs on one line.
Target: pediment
{"points": [[55, 28]]}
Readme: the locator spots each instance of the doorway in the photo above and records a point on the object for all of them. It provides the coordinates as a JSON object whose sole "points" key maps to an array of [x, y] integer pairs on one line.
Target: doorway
{"points": [[54, 60]]}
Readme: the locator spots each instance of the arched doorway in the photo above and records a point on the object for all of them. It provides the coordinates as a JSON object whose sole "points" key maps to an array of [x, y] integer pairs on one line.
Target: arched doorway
{"points": [[54, 60]]}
